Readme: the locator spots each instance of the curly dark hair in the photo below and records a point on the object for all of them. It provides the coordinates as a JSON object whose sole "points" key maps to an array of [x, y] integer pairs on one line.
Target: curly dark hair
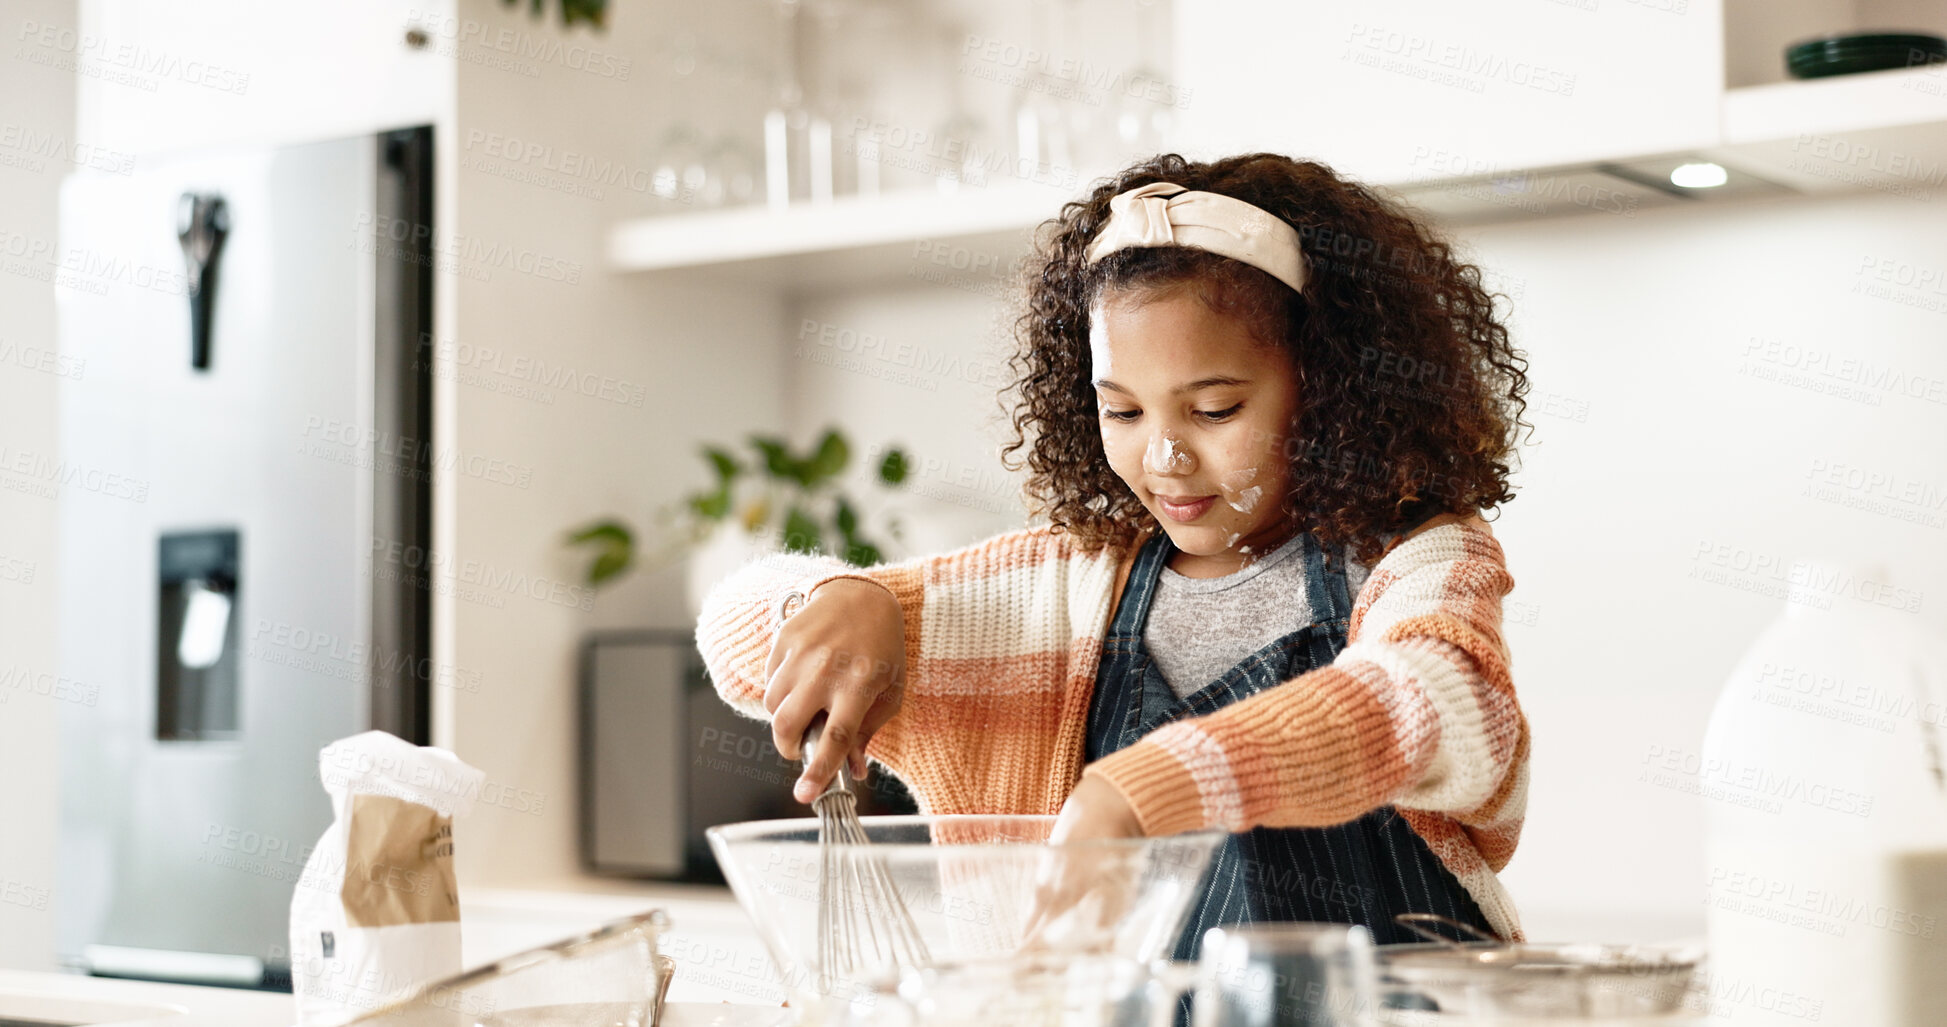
{"points": [[1410, 395]]}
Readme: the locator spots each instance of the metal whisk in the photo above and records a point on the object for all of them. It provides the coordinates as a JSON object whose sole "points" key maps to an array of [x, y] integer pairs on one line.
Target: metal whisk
{"points": [[862, 921]]}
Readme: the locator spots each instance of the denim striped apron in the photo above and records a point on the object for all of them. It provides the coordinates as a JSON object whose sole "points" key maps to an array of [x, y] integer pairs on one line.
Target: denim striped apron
{"points": [[1361, 872]]}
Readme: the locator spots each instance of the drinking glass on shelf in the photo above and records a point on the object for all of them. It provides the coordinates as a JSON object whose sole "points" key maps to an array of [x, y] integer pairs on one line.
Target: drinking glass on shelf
{"points": [[794, 139], [964, 147], [855, 154], [1080, 87], [731, 173], [1143, 108], [1041, 125], [680, 172]]}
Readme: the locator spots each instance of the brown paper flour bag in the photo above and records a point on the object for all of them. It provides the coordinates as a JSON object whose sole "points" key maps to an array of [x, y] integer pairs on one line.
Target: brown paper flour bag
{"points": [[376, 913]]}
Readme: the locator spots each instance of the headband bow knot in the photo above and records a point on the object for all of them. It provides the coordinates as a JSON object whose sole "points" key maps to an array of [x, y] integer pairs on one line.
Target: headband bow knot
{"points": [[1142, 215], [1167, 214]]}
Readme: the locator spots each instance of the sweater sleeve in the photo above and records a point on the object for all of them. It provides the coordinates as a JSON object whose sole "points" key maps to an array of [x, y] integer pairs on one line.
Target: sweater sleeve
{"points": [[989, 628], [1417, 711], [735, 629]]}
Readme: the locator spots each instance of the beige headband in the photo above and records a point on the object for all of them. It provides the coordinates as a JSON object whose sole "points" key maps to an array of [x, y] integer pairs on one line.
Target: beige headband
{"points": [[1166, 214]]}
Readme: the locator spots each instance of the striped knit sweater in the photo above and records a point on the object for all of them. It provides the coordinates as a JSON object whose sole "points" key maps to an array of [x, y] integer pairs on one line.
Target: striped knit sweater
{"points": [[1003, 639]]}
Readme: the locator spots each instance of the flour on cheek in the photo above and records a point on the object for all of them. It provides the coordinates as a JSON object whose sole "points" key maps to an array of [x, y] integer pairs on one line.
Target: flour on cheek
{"points": [[1239, 494]]}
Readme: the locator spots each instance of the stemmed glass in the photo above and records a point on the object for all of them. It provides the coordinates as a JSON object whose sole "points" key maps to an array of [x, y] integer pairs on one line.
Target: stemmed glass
{"points": [[797, 140], [1143, 114]]}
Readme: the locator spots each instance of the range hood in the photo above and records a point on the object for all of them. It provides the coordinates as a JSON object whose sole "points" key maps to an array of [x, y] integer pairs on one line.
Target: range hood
{"points": [[1617, 189]]}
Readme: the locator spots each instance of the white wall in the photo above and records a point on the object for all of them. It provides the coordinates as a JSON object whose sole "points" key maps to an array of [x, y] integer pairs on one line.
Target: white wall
{"points": [[37, 147], [1656, 437], [916, 368], [1671, 440], [699, 359]]}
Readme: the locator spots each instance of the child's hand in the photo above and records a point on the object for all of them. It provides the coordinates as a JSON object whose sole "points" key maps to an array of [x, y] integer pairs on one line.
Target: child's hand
{"points": [[1083, 890], [1094, 810], [843, 654]]}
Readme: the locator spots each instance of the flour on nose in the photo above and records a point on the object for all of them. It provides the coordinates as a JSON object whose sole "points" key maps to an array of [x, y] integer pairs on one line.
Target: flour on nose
{"points": [[1163, 456]]}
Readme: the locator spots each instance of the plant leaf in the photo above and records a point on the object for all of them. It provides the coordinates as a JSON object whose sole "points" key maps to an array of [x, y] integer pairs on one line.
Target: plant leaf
{"points": [[611, 532], [726, 466], [860, 553], [831, 456], [614, 546], [847, 518], [712, 506], [892, 469], [801, 533], [777, 459], [608, 565]]}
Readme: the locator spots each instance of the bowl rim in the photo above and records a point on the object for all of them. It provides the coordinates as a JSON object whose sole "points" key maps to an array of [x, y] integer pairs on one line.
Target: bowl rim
{"points": [[746, 832], [1602, 958]]}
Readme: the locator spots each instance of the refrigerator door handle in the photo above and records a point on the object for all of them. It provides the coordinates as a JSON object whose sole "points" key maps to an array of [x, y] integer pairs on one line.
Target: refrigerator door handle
{"points": [[202, 222]]}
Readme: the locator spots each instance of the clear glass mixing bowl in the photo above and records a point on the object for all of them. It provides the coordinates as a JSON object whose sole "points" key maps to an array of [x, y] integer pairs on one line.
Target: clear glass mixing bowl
{"points": [[979, 890]]}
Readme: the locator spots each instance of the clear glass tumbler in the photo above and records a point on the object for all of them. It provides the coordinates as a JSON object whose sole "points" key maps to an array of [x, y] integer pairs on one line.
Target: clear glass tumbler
{"points": [[1273, 975]]}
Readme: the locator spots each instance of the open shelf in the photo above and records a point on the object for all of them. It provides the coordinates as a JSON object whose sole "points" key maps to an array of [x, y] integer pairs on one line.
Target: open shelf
{"points": [[1841, 104], [849, 240], [1880, 131], [1883, 131]]}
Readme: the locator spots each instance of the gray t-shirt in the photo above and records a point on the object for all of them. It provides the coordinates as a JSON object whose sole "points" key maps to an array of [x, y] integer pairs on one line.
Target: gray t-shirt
{"points": [[1201, 627]]}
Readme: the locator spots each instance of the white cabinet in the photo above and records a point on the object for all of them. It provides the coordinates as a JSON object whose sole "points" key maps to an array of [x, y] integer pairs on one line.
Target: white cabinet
{"points": [[1882, 131], [1405, 90]]}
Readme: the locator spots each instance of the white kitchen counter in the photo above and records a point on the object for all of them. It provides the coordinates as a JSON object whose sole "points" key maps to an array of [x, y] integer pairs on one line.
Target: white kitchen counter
{"points": [[723, 978], [58, 997]]}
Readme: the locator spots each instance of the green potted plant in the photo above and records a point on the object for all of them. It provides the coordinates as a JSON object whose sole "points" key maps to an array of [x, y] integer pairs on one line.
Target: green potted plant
{"points": [[769, 498]]}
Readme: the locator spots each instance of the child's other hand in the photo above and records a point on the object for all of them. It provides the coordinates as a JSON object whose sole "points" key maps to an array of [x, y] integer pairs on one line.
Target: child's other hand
{"points": [[1082, 890], [1094, 810], [842, 654]]}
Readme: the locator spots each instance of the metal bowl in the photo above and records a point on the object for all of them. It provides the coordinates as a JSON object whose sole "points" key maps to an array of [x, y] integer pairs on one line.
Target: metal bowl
{"points": [[1525, 980]]}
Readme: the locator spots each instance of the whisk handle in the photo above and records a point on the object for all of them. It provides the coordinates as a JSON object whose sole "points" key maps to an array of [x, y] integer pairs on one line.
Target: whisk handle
{"points": [[813, 735]]}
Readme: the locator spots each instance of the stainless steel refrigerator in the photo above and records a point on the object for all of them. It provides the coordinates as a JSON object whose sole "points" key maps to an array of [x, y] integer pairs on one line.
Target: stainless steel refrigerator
{"points": [[244, 478]]}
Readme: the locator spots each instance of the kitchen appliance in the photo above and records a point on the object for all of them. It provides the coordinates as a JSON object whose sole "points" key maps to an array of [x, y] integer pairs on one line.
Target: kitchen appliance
{"points": [[663, 758], [982, 890], [245, 483]]}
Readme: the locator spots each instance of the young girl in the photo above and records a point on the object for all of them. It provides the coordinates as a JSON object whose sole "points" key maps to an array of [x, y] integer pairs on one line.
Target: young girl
{"points": [[1262, 411]]}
